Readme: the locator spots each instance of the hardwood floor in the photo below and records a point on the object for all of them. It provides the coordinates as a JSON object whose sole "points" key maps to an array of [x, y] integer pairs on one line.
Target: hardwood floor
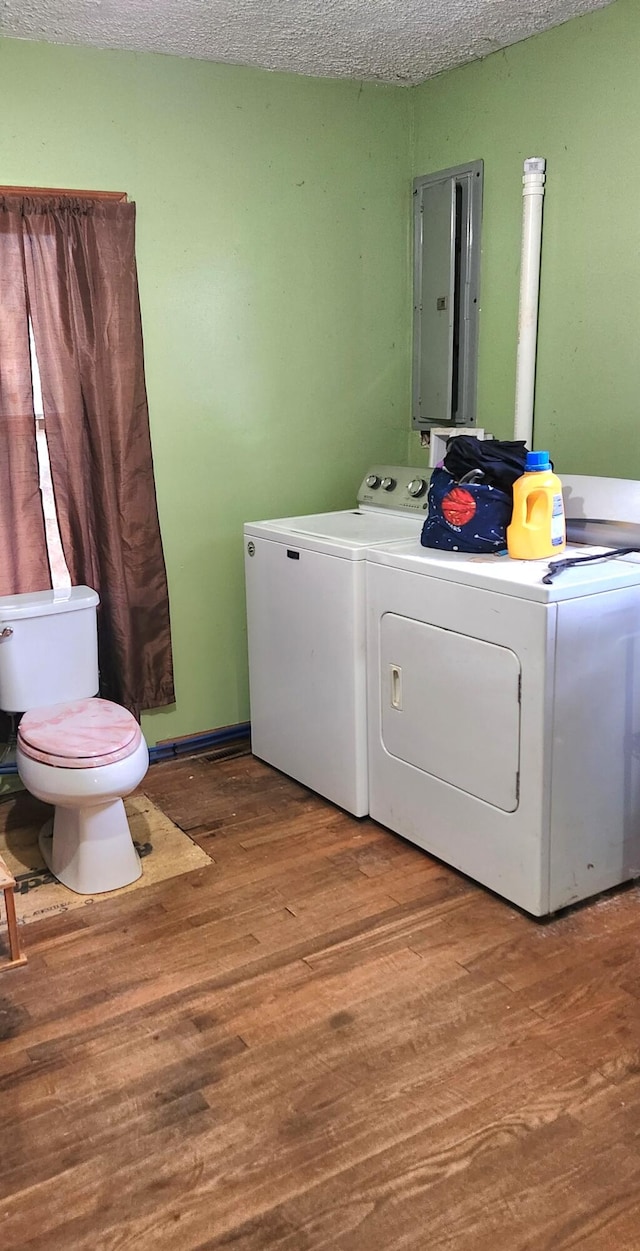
{"points": [[323, 1040]]}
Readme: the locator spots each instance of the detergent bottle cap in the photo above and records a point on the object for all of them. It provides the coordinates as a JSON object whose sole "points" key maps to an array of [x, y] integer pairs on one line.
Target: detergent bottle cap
{"points": [[537, 461]]}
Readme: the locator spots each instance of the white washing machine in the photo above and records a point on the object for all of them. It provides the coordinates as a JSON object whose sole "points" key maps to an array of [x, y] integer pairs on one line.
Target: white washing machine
{"points": [[504, 718], [305, 582]]}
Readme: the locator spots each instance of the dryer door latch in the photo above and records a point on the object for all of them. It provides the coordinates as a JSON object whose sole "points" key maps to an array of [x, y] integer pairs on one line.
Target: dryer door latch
{"points": [[396, 687]]}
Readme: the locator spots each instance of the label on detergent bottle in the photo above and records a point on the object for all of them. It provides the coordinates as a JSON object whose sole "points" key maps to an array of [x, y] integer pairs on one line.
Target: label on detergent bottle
{"points": [[557, 521]]}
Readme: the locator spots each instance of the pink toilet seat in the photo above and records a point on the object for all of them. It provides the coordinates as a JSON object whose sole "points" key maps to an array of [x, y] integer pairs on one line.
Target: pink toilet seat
{"points": [[84, 734]]}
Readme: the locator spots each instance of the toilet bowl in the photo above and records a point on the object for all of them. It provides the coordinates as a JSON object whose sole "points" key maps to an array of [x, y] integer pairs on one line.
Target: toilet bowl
{"points": [[84, 757]]}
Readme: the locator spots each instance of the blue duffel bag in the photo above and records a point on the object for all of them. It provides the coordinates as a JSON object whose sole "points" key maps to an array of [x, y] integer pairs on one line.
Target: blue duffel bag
{"points": [[466, 516]]}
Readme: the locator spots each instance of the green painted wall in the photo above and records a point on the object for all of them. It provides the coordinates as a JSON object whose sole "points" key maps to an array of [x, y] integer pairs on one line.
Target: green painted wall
{"points": [[273, 252], [573, 96], [273, 255]]}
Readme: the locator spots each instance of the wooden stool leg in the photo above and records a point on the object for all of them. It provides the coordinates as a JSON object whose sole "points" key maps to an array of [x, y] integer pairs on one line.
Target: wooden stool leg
{"points": [[7, 884], [12, 926], [11, 922]]}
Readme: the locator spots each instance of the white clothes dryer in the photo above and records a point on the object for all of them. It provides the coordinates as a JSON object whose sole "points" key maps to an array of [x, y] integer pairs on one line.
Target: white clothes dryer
{"points": [[305, 583], [504, 718]]}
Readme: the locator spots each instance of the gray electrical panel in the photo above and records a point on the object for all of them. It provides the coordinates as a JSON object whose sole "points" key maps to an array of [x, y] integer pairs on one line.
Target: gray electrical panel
{"points": [[447, 219]]}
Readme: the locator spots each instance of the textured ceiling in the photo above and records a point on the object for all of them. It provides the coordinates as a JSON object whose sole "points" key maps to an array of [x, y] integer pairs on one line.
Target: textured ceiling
{"points": [[396, 41]]}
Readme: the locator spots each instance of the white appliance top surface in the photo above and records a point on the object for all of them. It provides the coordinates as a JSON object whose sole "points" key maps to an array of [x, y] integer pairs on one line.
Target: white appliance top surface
{"points": [[353, 529], [392, 505], [521, 578]]}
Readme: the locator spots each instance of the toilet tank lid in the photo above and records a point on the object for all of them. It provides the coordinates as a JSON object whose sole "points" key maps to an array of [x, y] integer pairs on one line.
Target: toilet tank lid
{"points": [[47, 603]]}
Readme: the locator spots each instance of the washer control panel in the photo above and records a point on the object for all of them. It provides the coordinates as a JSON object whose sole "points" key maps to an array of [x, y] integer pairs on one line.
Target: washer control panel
{"points": [[397, 488]]}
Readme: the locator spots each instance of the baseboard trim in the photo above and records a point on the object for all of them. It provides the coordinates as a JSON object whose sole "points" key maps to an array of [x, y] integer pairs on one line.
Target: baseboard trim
{"points": [[193, 743]]}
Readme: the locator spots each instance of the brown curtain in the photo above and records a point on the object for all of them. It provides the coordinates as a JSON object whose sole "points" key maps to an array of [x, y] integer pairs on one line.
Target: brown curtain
{"points": [[82, 295], [23, 555]]}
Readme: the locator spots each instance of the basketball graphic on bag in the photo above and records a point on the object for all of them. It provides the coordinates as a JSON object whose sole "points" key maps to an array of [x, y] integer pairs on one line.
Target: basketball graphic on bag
{"points": [[458, 507]]}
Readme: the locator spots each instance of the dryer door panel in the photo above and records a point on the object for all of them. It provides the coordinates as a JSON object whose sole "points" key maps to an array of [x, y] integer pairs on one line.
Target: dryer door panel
{"points": [[451, 707]]}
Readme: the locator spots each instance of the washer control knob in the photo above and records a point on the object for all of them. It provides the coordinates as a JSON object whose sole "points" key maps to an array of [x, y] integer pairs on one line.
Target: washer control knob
{"points": [[388, 484], [373, 481], [417, 487]]}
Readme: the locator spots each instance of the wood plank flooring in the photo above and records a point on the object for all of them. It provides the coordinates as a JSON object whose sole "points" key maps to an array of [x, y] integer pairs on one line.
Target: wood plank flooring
{"points": [[324, 1040]]}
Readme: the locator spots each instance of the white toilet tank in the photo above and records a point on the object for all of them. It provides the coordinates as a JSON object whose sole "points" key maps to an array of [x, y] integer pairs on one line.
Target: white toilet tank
{"points": [[48, 648]]}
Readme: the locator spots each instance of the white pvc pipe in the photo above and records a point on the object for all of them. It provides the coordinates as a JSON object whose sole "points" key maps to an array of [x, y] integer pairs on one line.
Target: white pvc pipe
{"points": [[532, 196]]}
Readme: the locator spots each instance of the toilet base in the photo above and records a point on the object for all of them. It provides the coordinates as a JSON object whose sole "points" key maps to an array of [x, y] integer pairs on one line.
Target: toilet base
{"points": [[90, 850]]}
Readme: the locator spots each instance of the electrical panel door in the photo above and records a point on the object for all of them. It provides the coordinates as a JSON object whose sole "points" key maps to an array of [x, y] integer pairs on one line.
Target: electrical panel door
{"points": [[447, 216]]}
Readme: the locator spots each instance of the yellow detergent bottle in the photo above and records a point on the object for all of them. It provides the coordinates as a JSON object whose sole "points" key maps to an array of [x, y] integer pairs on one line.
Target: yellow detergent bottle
{"points": [[537, 524]]}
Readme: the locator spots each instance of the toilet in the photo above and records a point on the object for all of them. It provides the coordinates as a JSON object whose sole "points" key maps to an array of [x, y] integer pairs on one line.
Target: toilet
{"points": [[75, 751]]}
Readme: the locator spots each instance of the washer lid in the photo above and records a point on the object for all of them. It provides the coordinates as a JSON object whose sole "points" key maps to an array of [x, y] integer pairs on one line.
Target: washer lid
{"points": [[352, 531], [83, 730]]}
